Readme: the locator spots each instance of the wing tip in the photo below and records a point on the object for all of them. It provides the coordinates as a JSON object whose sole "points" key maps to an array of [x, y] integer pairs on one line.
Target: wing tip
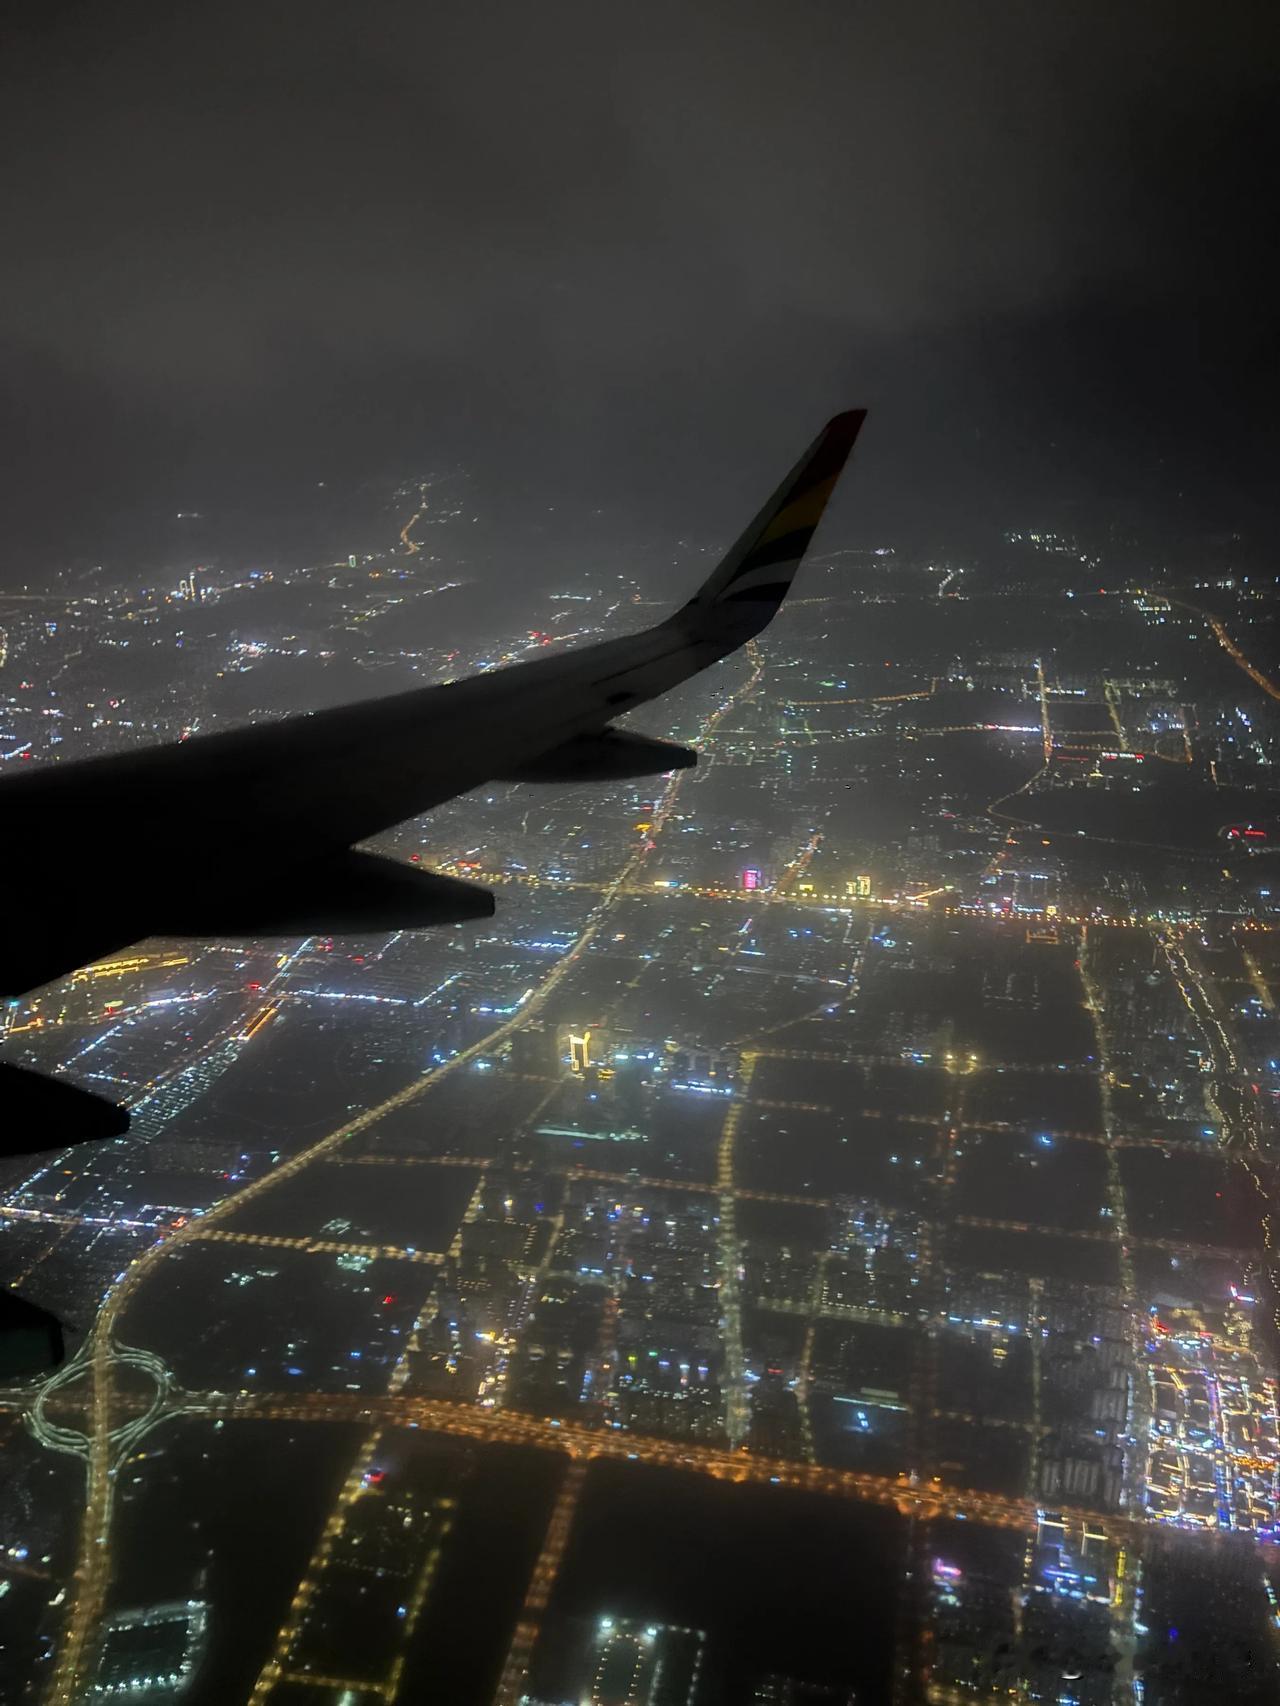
{"points": [[835, 443], [847, 423]]}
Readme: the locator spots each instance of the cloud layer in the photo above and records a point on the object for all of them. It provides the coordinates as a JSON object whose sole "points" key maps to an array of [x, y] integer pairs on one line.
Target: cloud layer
{"points": [[549, 230]]}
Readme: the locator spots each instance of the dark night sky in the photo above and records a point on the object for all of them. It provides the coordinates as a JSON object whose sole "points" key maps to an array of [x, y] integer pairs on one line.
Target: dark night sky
{"points": [[634, 255]]}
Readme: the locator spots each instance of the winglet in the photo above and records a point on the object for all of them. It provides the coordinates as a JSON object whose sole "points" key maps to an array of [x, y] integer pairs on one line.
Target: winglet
{"points": [[757, 573]]}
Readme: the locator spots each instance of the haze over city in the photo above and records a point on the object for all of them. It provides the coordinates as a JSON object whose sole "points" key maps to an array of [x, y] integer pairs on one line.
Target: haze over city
{"points": [[814, 1242]]}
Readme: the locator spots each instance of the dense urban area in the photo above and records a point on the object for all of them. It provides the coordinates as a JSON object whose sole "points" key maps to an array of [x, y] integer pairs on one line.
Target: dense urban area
{"points": [[813, 1244]]}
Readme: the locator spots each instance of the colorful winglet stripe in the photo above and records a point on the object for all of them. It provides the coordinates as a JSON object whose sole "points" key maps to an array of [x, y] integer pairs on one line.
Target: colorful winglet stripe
{"points": [[762, 563]]}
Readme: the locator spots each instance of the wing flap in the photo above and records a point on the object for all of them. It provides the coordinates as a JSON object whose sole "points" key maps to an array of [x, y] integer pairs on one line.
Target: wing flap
{"points": [[38, 1113], [353, 894], [30, 1338], [612, 755]]}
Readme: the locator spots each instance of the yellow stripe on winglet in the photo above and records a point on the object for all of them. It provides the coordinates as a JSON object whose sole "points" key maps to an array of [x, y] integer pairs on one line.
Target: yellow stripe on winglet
{"points": [[803, 511]]}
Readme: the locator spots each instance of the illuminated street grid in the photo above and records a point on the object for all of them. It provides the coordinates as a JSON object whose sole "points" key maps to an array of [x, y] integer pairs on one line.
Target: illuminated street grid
{"points": [[764, 1190]]}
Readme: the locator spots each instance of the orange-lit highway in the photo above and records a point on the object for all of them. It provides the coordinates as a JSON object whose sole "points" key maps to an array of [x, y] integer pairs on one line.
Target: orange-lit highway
{"points": [[580, 1441], [203, 1233], [1229, 646], [515, 1672]]}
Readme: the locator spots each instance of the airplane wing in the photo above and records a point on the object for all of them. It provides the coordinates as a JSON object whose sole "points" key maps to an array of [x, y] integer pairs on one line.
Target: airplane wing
{"points": [[253, 833]]}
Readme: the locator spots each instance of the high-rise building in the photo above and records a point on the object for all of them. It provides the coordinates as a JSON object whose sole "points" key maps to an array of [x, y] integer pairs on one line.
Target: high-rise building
{"points": [[689, 1061]]}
